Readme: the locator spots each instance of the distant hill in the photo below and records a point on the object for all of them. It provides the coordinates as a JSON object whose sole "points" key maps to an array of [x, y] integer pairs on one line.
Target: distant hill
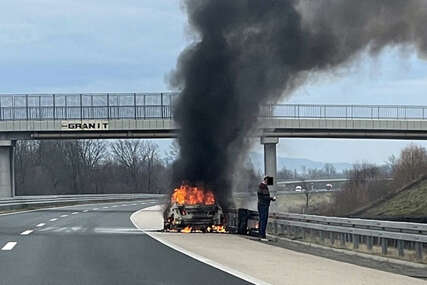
{"points": [[296, 163]]}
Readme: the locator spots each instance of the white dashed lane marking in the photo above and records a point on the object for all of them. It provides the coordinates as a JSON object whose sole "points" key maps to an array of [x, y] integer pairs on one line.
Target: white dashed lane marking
{"points": [[52, 220], [40, 225], [75, 213], [9, 246], [85, 211], [95, 209], [26, 232], [105, 207], [63, 216]]}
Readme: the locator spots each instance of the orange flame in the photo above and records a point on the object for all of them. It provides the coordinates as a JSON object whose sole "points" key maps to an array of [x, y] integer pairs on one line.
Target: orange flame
{"points": [[218, 229], [186, 230], [187, 195]]}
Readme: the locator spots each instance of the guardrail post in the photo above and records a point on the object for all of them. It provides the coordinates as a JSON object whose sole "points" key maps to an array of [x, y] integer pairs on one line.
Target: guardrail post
{"points": [[356, 239], [369, 242], [419, 250], [342, 238], [332, 237], [400, 247], [384, 246], [321, 236]]}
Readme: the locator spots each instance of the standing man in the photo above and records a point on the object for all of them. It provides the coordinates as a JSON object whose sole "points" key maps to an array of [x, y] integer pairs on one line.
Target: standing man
{"points": [[264, 200]]}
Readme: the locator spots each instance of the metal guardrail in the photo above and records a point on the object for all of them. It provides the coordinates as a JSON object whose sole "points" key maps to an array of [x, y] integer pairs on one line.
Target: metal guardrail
{"points": [[23, 202], [388, 235], [160, 106]]}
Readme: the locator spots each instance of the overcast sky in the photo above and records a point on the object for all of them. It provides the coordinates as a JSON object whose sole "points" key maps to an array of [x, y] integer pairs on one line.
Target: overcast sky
{"points": [[131, 45]]}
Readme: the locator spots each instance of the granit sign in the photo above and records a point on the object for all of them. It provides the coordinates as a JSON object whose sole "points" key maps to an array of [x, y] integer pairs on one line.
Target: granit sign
{"points": [[85, 125]]}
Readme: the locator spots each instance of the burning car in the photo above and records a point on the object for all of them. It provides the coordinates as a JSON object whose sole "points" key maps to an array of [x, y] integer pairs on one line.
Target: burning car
{"points": [[193, 209]]}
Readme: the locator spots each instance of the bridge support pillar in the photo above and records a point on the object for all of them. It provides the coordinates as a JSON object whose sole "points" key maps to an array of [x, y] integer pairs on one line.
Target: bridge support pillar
{"points": [[7, 169], [270, 157]]}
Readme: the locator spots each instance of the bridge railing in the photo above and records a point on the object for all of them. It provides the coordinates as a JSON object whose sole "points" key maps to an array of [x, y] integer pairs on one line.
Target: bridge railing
{"points": [[372, 112], [87, 106], [160, 106]]}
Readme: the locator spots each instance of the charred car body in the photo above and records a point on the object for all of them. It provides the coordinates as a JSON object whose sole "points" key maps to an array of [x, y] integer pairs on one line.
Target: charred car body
{"points": [[193, 208], [198, 217]]}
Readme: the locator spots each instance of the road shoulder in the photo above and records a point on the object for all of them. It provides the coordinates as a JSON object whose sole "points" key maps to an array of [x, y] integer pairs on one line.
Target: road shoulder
{"points": [[272, 264]]}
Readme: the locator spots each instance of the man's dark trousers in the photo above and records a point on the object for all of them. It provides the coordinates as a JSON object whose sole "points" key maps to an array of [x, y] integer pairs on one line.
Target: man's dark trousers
{"points": [[263, 217]]}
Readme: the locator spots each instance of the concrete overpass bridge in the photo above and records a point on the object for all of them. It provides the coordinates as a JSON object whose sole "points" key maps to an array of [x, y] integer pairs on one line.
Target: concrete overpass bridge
{"points": [[149, 115]]}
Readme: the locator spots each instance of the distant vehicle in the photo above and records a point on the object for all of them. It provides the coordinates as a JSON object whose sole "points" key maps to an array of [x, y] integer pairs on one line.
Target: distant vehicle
{"points": [[298, 189], [328, 186]]}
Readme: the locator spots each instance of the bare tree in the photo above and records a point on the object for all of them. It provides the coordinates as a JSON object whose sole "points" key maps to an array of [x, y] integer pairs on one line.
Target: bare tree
{"points": [[367, 183], [89, 166], [128, 154], [92, 152], [411, 164], [172, 153], [285, 173], [329, 170], [25, 161], [150, 156]]}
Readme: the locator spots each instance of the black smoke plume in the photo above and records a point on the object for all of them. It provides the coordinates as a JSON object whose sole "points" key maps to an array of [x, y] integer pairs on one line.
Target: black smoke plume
{"points": [[249, 52]]}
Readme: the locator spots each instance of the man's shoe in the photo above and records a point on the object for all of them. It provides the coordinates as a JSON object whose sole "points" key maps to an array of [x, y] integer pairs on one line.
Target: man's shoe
{"points": [[264, 239]]}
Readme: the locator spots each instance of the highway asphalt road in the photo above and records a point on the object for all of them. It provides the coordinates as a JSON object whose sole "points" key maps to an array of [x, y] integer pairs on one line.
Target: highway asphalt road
{"points": [[93, 244]]}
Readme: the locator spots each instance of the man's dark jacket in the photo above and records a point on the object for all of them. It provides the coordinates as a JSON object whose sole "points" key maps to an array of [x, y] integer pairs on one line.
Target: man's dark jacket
{"points": [[263, 195]]}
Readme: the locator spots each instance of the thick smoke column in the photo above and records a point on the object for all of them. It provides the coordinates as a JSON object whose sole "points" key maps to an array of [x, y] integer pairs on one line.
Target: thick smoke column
{"points": [[249, 52]]}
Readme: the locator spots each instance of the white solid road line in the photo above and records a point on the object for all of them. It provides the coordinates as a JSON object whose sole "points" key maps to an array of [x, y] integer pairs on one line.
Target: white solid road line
{"points": [[195, 256], [9, 246], [27, 232], [63, 216], [52, 220], [40, 225]]}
